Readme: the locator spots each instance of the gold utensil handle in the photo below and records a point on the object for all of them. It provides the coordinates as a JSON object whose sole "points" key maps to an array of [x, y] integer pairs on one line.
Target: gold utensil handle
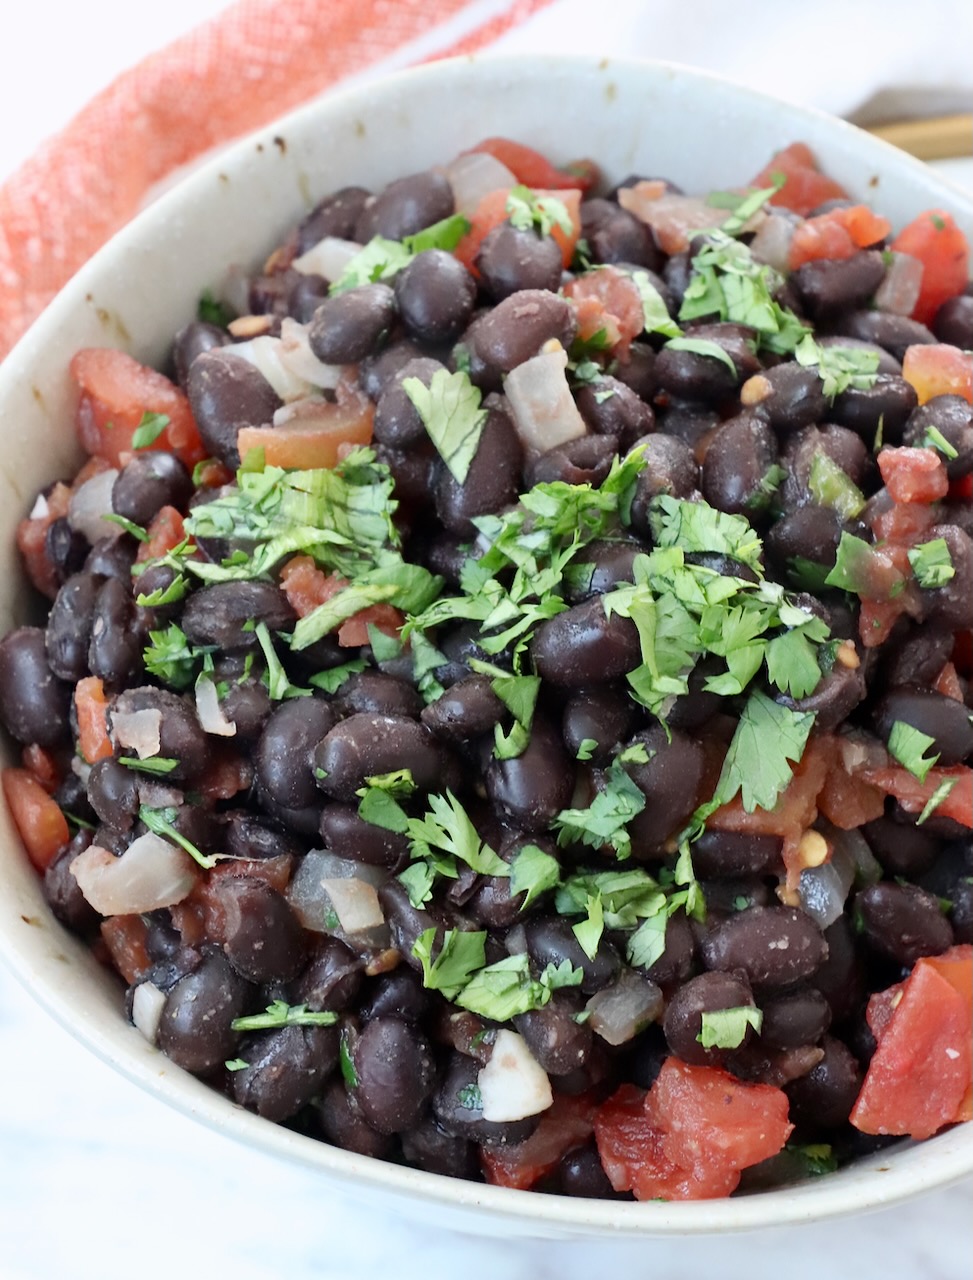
{"points": [[937, 138]]}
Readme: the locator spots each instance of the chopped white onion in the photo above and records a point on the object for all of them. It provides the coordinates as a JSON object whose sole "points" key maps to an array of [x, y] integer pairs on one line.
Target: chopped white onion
{"points": [[325, 884], [90, 503], [209, 712], [296, 354], [40, 510], [138, 731], [513, 1085], [899, 291], [355, 904], [852, 846], [824, 889], [151, 873], [474, 176], [157, 795], [264, 353], [327, 258], [147, 1005], [540, 400], [622, 1010], [81, 769], [310, 412], [772, 242]]}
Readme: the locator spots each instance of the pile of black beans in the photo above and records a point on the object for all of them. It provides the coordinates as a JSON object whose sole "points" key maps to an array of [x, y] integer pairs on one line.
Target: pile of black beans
{"points": [[392, 1077]]}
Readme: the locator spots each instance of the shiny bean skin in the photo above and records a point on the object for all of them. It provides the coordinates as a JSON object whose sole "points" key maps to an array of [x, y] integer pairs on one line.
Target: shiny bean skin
{"points": [[551, 940], [331, 980], [669, 468], [637, 370], [719, 854], [457, 1109], [961, 911], [426, 1146], [943, 719], [378, 369], [283, 756], [112, 558], [691, 710], [378, 692], [117, 638], [397, 422], [740, 454], [774, 946], [676, 962], [344, 1126], [584, 460], [953, 322], [151, 480], [809, 533], [604, 716], [829, 286], [518, 327], [347, 327], [195, 1030], [69, 627], [218, 614], [435, 296], [887, 363], [670, 783], [466, 710], [559, 1043], [703, 377], [610, 408], [396, 1074], [511, 260], [350, 836], [895, 333], [841, 978], [62, 892], [792, 1020], [305, 296], [367, 744], [616, 236], [791, 396], [248, 705], [190, 343], [952, 417], [335, 215], [846, 449], [683, 1020], [581, 1174], [65, 549], [405, 207], [398, 994], [491, 483], [34, 704], [949, 605], [262, 937], [227, 393], [823, 1098], [255, 838], [676, 273], [285, 1069], [903, 922], [180, 736], [902, 851], [890, 400], [583, 646], [535, 786], [836, 696], [113, 793]]}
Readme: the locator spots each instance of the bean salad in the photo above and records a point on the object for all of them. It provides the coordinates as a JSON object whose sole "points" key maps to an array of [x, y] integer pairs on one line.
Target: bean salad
{"points": [[505, 699]]}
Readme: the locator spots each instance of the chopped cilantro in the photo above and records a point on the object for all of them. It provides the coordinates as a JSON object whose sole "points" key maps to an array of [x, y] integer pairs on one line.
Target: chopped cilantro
{"points": [[655, 313], [211, 311], [526, 210], [379, 804], [727, 1028], [856, 566], [503, 990], [171, 594], [385, 648], [586, 748], [936, 799], [275, 678], [698, 527], [332, 680], [934, 439], [792, 662], [383, 259], [450, 409], [533, 872], [160, 823], [931, 563], [744, 207], [348, 1072], [444, 835], [588, 932], [459, 957], [908, 746], [149, 429], [151, 764], [129, 526], [839, 368], [171, 658], [703, 347], [281, 1014], [519, 695], [815, 1158], [832, 487], [236, 1064], [605, 821]]}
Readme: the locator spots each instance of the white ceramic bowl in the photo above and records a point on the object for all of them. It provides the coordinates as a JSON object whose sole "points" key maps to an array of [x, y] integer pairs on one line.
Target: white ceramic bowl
{"points": [[700, 131]]}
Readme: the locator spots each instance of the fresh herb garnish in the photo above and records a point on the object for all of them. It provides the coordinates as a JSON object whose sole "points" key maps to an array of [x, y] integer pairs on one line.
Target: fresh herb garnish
{"points": [[655, 313], [332, 680], [236, 1064], [909, 747], [936, 799], [149, 429], [703, 347], [458, 959], [503, 990], [727, 1028], [172, 659], [526, 210], [382, 259], [839, 368], [160, 823], [450, 409], [604, 821], [212, 311], [586, 749], [281, 1014], [832, 487], [931, 563], [151, 764], [934, 439], [533, 872]]}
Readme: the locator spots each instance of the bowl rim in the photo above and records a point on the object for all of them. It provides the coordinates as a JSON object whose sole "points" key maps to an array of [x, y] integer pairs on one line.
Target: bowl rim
{"points": [[947, 1160]]}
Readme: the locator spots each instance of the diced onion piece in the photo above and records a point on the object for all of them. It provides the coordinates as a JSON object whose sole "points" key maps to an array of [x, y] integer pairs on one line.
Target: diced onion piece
{"points": [[824, 889], [151, 873], [541, 403], [324, 884], [40, 510], [355, 904], [513, 1085], [674, 219], [157, 795], [327, 258], [772, 243], [147, 1005], [475, 175], [852, 847], [622, 1010], [264, 353], [297, 356], [899, 291], [90, 503], [209, 712], [138, 731]]}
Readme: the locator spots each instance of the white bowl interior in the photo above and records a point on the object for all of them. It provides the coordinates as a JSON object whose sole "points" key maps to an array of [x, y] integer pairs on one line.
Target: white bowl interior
{"points": [[632, 117]]}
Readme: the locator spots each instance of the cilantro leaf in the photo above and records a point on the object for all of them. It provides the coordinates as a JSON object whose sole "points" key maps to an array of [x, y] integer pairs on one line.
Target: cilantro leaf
{"points": [[459, 957], [332, 679], [766, 738], [839, 368], [129, 526], [160, 765], [532, 873], [936, 799], [149, 429], [792, 663], [418, 881], [605, 820], [859, 566], [446, 829], [832, 487], [744, 207], [171, 658], [503, 990], [236, 1064], [445, 234], [525, 210], [160, 823], [696, 526], [727, 1028], [703, 347], [934, 439], [908, 746], [379, 260], [519, 695], [589, 931], [586, 749], [211, 311], [931, 563], [655, 313], [171, 594], [280, 1014], [647, 944], [278, 684], [450, 409]]}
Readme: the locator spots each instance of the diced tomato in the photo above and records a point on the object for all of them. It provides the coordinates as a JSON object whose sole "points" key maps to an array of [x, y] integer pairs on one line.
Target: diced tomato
{"points": [[227, 774], [904, 523], [306, 586], [805, 186], [125, 937], [956, 966], [939, 244], [913, 475], [836, 235], [937, 369], [383, 617], [615, 306], [41, 766], [847, 800], [673, 219], [42, 826], [564, 1126], [922, 1068], [492, 210], [166, 531], [32, 541], [881, 1006], [212, 474], [532, 169], [314, 442], [116, 391], [948, 684], [92, 710], [275, 871], [914, 795]]}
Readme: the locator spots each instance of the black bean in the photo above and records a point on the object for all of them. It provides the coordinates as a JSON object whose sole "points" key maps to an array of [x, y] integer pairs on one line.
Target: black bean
{"points": [[112, 558], [584, 646], [961, 911], [719, 854], [247, 704], [943, 719], [427, 1147], [678, 955], [949, 605], [614, 235], [62, 892], [791, 396], [698, 377], [535, 786], [285, 1069], [367, 744], [458, 1110], [558, 1043], [517, 328], [669, 468], [190, 343], [117, 639], [580, 1174], [793, 1020], [774, 946], [398, 994], [195, 1029], [396, 1074], [887, 363], [397, 420], [829, 286], [306, 295], [810, 533], [227, 393], [551, 940], [254, 837], [902, 850], [599, 715], [952, 417], [261, 935], [491, 904], [34, 704], [270, 295], [348, 326], [677, 273], [283, 756], [405, 206], [846, 449], [841, 978], [151, 480], [435, 295], [610, 408], [903, 922], [737, 464], [113, 793], [219, 614], [670, 783], [378, 369], [69, 627], [726, 895], [180, 736], [890, 400], [706, 993], [331, 980], [492, 481], [823, 1099], [510, 260], [350, 836], [378, 692], [834, 699], [64, 548], [335, 215], [953, 322], [343, 1125], [584, 460], [637, 370], [467, 709], [895, 333]]}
